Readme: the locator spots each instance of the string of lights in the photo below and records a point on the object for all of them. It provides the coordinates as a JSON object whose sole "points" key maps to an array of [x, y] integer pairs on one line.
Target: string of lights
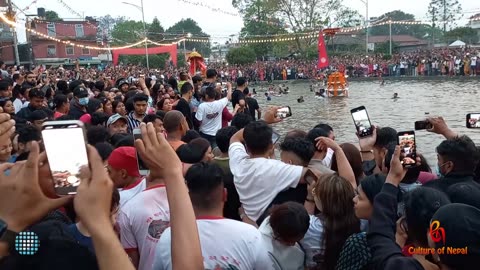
{"points": [[214, 9]]}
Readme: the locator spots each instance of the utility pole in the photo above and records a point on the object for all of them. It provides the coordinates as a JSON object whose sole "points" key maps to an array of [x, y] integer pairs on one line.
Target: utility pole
{"points": [[366, 38], [14, 32], [390, 30], [145, 32], [444, 17], [366, 25]]}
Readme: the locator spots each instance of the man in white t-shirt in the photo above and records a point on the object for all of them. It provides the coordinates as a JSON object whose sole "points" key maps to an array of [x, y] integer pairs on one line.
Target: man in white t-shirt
{"points": [[226, 243], [209, 113], [473, 65], [258, 179], [141, 221], [123, 170]]}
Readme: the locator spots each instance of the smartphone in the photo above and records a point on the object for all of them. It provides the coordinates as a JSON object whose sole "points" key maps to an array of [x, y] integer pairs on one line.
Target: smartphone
{"points": [[142, 168], [65, 145], [275, 137], [473, 120], [408, 148], [362, 121], [284, 112], [420, 125]]}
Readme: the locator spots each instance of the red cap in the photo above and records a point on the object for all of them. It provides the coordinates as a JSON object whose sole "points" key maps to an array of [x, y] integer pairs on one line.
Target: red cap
{"points": [[124, 157]]}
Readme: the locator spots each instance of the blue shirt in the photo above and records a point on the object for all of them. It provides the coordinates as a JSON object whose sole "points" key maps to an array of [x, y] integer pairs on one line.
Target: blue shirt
{"points": [[81, 239]]}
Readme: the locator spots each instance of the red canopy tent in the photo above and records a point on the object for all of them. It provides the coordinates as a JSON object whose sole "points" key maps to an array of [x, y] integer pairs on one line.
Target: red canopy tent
{"points": [[172, 49]]}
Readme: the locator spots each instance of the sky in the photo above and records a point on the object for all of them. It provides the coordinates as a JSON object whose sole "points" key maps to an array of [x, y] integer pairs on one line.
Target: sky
{"points": [[217, 24]]}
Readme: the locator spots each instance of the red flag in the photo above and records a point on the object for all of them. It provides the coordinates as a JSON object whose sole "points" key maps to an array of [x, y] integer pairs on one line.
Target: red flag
{"points": [[322, 52]]}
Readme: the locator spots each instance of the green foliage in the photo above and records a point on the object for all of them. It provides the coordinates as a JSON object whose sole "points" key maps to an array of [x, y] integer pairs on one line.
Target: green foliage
{"points": [[387, 57], [311, 52], [445, 12], [465, 34], [241, 55], [51, 15], [181, 60], [106, 24], [155, 60], [297, 16], [185, 26], [155, 30], [127, 32], [417, 30], [385, 47]]}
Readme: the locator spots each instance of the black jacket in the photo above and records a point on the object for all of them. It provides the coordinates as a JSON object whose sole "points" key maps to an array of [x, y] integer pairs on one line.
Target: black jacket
{"points": [[25, 113], [451, 179], [387, 255], [76, 111]]}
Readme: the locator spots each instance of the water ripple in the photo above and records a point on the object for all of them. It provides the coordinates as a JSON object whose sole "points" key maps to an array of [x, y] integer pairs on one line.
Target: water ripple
{"points": [[450, 99]]}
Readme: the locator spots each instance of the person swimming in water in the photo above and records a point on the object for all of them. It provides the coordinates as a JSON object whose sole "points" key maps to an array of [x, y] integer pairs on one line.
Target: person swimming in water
{"points": [[268, 97], [395, 96], [300, 99]]}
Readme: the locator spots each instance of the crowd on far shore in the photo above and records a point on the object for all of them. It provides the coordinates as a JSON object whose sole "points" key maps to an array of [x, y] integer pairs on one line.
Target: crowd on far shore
{"points": [[433, 62]]}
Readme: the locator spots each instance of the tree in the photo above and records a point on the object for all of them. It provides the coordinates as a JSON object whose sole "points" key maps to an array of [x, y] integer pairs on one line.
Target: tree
{"points": [[416, 30], [385, 47], [106, 24], [155, 30], [260, 20], [445, 11], [51, 15], [127, 32], [466, 34], [241, 56], [306, 15], [185, 26]]}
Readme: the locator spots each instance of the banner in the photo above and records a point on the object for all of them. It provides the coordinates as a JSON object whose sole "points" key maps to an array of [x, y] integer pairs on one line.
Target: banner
{"points": [[322, 52]]}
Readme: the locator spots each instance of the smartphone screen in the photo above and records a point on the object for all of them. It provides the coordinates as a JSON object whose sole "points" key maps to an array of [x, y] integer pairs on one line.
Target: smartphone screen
{"points": [[142, 168], [362, 121], [421, 125], [275, 137], [408, 154], [66, 152], [473, 120], [284, 112]]}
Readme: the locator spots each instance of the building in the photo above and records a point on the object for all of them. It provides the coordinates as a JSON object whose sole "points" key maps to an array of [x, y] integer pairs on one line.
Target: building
{"points": [[7, 51], [475, 23], [49, 52], [402, 42]]}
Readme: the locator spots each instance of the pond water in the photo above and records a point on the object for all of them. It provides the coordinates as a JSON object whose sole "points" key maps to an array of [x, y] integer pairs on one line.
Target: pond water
{"points": [[450, 99]]}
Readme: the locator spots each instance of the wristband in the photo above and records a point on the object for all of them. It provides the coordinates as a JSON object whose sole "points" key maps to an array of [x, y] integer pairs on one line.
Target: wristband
{"points": [[366, 151]]}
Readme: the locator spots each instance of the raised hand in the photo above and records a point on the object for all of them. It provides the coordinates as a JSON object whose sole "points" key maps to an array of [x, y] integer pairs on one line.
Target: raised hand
{"points": [[22, 201]]}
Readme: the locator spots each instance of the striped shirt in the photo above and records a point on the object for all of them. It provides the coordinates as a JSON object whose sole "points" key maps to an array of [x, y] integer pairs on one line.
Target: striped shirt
{"points": [[132, 122]]}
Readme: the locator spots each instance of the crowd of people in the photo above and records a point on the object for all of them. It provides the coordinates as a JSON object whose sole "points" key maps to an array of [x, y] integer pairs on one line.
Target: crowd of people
{"points": [[215, 196], [431, 62]]}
